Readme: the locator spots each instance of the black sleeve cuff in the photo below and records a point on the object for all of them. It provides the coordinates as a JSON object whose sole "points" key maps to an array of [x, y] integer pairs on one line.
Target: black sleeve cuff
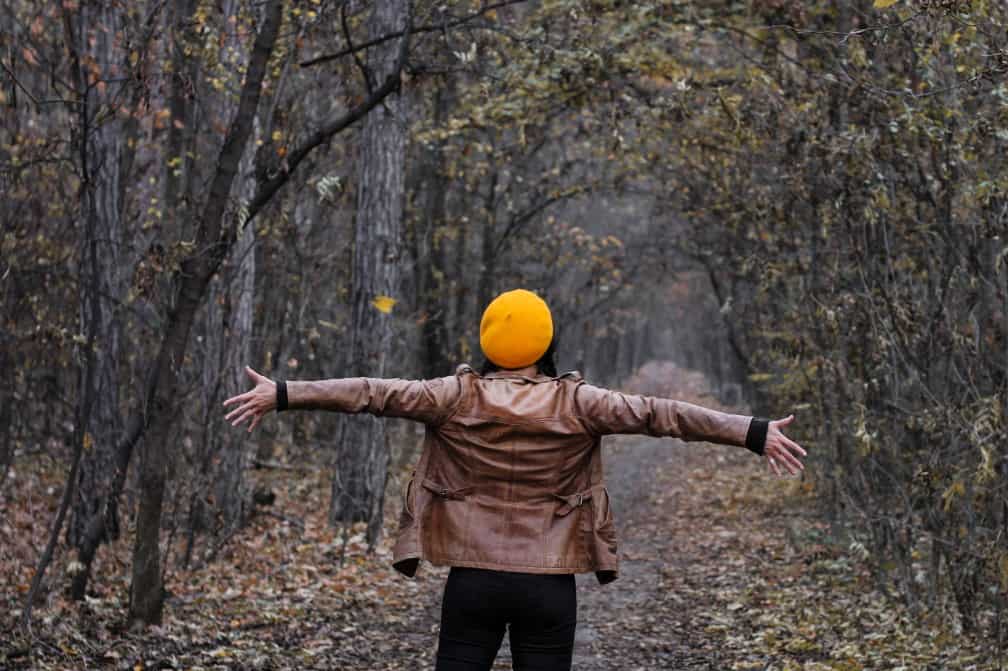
{"points": [[281, 391], [755, 439]]}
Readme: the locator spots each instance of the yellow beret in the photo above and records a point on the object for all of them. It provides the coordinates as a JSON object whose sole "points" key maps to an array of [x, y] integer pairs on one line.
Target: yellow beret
{"points": [[516, 329]]}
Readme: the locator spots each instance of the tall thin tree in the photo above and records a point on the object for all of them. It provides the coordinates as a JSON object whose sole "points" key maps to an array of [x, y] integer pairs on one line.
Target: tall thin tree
{"points": [[362, 458]]}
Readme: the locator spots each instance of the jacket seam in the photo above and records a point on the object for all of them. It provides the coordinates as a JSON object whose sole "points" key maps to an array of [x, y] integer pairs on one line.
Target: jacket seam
{"points": [[510, 421], [458, 402], [579, 417], [577, 568]]}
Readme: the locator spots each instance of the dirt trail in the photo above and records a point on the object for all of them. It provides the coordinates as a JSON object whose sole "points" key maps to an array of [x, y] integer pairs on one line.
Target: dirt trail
{"points": [[619, 626]]}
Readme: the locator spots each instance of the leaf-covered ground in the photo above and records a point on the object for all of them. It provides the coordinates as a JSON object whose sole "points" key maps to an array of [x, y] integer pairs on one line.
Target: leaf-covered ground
{"points": [[726, 567], [723, 568]]}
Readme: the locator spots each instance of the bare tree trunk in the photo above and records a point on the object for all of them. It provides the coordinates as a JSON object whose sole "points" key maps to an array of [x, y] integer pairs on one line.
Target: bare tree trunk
{"points": [[488, 256], [6, 410], [460, 263], [228, 332], [361, 469], [94, 516], [95, 417], [230, 489], [430, 261]]}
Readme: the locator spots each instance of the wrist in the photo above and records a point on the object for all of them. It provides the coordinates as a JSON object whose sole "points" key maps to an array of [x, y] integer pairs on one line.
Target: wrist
{"points": [[281, 395], [756, 436]]}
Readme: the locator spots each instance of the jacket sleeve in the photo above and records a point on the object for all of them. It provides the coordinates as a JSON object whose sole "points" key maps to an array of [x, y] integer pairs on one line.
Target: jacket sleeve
{"points": [[427, 401], [604, 411]]}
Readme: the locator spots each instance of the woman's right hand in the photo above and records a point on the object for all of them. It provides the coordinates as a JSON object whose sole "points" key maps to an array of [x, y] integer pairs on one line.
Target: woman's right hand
{"points": [[255, 403], [782, 452]]}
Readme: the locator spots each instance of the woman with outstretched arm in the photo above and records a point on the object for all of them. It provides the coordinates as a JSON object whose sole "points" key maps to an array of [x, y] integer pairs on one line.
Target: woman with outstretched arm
{"points": [[509, 490]]}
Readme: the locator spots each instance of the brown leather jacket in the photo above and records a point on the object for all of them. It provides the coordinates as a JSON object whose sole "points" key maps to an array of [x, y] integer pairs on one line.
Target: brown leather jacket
{"points": [[510, 477]]}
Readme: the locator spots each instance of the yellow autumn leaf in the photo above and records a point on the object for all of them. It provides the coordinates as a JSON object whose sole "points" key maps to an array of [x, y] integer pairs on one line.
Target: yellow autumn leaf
{"points": [[384, 303], [882, 4], [956, 490]]}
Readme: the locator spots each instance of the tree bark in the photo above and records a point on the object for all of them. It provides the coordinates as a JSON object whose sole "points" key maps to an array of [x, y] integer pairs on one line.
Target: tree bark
{"points": [[430, 260], [94, 517], [361, 468], [6, 410], [488, 248], [228, 333], [461, 322]]}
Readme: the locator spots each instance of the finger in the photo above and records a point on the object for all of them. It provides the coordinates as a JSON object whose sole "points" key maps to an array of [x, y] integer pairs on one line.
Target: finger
{"points": [[773, 466], [237, 411], [795, 447], [786, 445], [777, 438], [781, 456], [795, 465], [255, 422], [783, 422], [242, 417], [236, 399], [253, 375], [790, 461]]}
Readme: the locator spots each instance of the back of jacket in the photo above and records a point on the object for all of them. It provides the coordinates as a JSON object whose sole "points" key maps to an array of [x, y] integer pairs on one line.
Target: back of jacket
{"points": [[510, 480], [510, 477]]}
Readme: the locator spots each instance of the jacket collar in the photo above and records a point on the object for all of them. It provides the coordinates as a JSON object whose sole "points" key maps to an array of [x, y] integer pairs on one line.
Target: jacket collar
{"points": [[512, 375]]}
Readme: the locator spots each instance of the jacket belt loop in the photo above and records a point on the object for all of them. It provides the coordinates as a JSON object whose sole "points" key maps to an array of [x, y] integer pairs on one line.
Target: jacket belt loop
{"points": [[438, 489], [572, 501]]}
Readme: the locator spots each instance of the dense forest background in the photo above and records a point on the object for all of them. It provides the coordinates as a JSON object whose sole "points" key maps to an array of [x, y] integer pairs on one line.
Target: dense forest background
{"points": [[805, 201]]}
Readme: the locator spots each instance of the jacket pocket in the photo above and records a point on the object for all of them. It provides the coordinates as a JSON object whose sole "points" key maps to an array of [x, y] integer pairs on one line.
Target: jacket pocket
{"points": [[597, 531], [601, 542], [408, 504], [445, 525]]}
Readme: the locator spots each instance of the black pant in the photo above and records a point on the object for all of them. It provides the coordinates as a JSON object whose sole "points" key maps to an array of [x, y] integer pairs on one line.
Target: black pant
{"points": [[539, 611]]}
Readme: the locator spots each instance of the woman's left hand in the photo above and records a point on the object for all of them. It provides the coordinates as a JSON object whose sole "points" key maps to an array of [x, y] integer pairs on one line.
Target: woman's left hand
{"points": [[255, 403], [782, 452]]}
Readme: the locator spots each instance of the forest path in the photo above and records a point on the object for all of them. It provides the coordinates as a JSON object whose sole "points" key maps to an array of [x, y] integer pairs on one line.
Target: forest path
{"points": [[639, 621]]}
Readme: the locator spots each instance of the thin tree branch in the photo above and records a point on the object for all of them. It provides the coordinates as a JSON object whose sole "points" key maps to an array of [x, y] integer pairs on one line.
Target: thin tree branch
{"points": [[365, 73], [268, 188], [57, 526], [427, 28], [10, 73], [519, 220]]}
